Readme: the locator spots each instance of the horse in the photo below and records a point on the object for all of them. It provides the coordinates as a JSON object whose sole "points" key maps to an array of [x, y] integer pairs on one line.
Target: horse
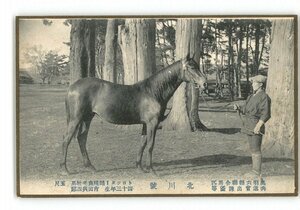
{"points": [[143, 103]]}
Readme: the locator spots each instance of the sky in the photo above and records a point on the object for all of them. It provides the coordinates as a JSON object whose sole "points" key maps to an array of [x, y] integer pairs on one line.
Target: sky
{"points": [[33, 32]]}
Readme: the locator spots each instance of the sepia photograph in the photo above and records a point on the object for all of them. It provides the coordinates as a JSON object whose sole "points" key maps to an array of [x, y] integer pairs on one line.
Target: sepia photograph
{"points": [[156, 106]]}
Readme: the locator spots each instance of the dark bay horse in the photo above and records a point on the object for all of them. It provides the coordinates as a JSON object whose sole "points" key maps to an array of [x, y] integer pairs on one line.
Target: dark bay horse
{"points": [[141, 103]]}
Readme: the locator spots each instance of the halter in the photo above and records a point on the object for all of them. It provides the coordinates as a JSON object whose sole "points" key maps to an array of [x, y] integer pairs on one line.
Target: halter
{"points": [[184, 68], [185, 71]]}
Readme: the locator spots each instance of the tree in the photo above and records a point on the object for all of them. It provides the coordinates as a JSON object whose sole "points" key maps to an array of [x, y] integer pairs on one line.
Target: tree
{"points": [[165, 42], [260, 30], [137, 42], [280, 130], [110, 71], [52, 65], [35, 56], [82, 51], [100, 31], [239, 49], [46, 64], [230, 61], [184, 113]]}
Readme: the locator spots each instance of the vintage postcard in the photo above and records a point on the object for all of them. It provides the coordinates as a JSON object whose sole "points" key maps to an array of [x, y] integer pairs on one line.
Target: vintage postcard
{"points": [[154, 106]]}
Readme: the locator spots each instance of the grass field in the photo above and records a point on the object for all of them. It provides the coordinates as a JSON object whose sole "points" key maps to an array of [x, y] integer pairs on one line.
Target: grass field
{"points": [[112, 149]]}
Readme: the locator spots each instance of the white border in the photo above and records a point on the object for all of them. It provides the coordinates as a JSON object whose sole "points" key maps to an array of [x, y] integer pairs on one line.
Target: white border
{"points": [[11, 8]]}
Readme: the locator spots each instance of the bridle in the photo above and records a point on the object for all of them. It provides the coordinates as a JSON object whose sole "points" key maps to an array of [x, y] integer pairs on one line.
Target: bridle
{"points": [[185, 70]]}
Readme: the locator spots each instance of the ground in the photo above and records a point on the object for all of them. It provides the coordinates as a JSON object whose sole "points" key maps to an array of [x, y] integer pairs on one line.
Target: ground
{"points": [[112, 149]]}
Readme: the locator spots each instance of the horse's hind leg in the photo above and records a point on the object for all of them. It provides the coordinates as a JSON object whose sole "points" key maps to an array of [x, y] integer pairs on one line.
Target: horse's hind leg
{"points": [[82, 139], [71, 132], [142, 148]]}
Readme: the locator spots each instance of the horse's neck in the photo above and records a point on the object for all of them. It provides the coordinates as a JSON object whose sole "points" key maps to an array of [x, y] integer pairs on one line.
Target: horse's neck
{"points": [[164, 84]]}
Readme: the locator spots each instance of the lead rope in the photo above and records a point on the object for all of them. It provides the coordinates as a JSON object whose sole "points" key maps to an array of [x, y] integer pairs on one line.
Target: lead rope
{"points": [[239, 112], [205, 101]]}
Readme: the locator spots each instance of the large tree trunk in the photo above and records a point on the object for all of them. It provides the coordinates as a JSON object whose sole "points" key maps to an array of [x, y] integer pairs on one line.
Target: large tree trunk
{"points": [[110, 63], [82, 52], [184, 113], [279, 137], [137, 41], [100, 32]]}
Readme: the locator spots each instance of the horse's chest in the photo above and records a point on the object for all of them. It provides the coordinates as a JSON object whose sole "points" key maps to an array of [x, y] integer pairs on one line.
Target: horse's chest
{"points": [[149, 109]]}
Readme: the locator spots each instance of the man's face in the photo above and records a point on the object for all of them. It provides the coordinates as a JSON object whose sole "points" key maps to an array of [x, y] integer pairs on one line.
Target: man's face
{"points": [[256, 85]]}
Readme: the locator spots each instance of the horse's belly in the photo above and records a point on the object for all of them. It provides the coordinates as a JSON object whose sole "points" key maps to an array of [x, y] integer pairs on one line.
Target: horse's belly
{"points": [[119, 114]]}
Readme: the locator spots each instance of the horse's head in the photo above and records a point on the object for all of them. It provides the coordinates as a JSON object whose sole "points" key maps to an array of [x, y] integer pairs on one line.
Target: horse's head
{"points": [[191, 72]]}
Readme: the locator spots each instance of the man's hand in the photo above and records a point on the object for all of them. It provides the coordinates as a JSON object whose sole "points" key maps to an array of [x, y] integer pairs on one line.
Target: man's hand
{"points": [[236, 107], [258, 126]]}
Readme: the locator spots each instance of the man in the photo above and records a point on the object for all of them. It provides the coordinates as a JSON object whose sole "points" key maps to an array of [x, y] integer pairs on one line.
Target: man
{"points": [[256, 111]]}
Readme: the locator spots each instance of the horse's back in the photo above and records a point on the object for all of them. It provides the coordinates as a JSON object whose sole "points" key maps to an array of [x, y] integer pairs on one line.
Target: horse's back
{"points": [[85, 84], [113, 102]]}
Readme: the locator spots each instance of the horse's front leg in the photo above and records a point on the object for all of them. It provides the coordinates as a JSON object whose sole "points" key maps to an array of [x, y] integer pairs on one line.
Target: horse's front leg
{"points": [[151, 132], [142, 148]]}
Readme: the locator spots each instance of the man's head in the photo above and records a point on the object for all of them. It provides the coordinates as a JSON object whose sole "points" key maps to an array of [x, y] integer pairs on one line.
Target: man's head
{"points": [[258, 82]]}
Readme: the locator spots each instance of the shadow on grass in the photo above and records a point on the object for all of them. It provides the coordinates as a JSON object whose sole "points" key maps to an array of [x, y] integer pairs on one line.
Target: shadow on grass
{"points": [[217, 110], [225, 130], [219, 160], [209, 161]]}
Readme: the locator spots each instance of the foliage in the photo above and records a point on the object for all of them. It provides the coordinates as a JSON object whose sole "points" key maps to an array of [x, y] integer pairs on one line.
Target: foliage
{"points": [[165, 42], [52, 65], [47, 64]]}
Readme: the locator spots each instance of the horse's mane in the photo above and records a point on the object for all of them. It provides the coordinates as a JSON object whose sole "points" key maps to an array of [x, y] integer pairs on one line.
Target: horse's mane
{"points": [[163, 81]]}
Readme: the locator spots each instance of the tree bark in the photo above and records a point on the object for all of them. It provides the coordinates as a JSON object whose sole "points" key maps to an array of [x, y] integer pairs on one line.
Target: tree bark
{"points": [[280, 130], [184, 113], [100, 31], [137, 41], [82, 52], [110, 63]]}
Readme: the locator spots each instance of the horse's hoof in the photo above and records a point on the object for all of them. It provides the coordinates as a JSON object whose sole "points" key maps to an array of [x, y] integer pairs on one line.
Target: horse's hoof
{"points": [[64, 170], [62, 165], [141, 169], [91, 167], [152, 171], [65, 173]]}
